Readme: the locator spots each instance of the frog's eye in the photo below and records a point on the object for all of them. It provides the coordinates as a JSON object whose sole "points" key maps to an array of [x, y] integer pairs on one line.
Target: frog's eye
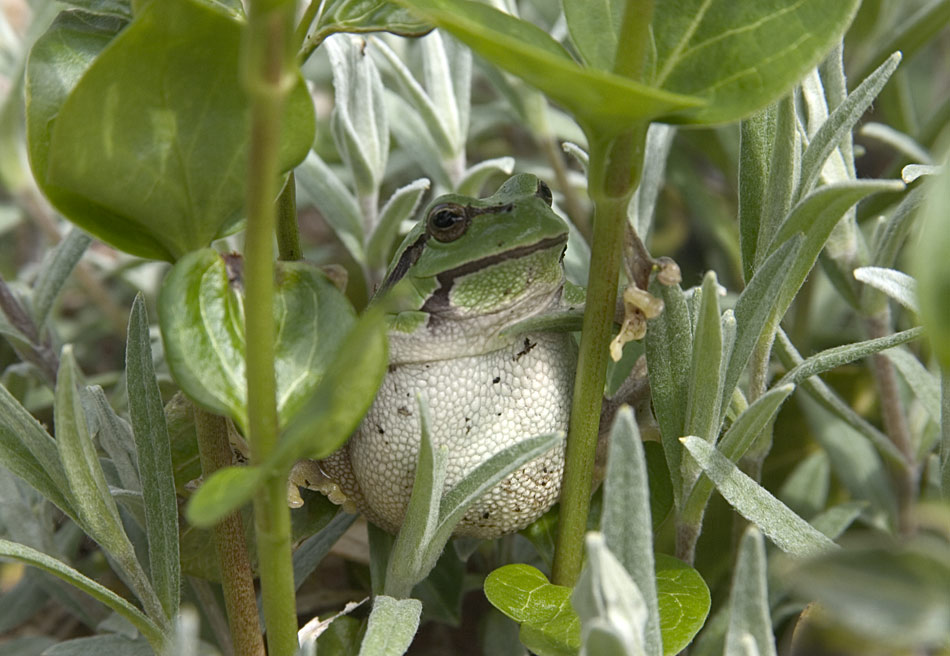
{"points": [[447, 222], [544, 193]]}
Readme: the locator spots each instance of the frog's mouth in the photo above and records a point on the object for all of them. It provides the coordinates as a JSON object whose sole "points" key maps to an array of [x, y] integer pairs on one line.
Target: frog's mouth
{"points": [[439, 301]]}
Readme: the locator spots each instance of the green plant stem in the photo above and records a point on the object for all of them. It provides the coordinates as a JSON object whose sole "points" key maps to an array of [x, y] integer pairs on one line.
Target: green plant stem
{"points": [[306, 20], [237, 579], [288, 236], [614, 173], [268, 57]]}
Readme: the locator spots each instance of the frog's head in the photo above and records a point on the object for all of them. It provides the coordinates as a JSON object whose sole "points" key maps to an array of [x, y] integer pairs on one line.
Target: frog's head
{"points": [[471, 256]]}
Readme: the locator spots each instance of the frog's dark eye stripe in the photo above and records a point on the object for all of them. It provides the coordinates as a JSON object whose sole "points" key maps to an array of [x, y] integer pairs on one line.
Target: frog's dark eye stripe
{"points": [[447, 222], [544, 193]]}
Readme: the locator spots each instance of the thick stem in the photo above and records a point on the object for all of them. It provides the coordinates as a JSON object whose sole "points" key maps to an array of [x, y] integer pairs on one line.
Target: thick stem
{"points": [[288, 236], [895, 422], [237, 579], [267, 59], [614, 173]]}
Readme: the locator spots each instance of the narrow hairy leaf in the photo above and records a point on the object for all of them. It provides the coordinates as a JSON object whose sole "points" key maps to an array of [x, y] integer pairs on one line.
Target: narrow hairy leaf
{"points": [[896, 284], [400, 207], [702, 409], [756, 138], [98, 592], [392, 626], [669, 353], [841, 121], [56, 271], [839, 355], [749, 599], [626, 521], [787, 530], [154, 461], [925, 385], [932, 268], [783, 176], [323, 188]]}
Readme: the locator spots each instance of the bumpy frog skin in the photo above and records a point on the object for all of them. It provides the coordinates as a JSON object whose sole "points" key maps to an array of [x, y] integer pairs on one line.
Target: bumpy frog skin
{"points": [[474, 268]]}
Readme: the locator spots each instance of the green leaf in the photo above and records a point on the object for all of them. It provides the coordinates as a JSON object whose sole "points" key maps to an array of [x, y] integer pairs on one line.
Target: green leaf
{"points": [[703, 399], [839, 355], [400, 207], [669, 347], [358, 122], [896, 284], [474, 177], [841, 122], [336, 203], [27, 450], [595, 97], [924, 384], [894, 595], [98, 514], [110, 643], [749, 599], [154, 461], [360, 16], [226, 490], [933, 266], [625, 519], [392, 625], [312, 550], [756, 139], [201, 313], [805, 490], [550, 627], [683, 600], [595, 28], [128, 153], [56, 271], [787, 530], [784, 170], [98, 592], [612, 610], [408, 562], [755, 312], [910, 35], [741, 56]]}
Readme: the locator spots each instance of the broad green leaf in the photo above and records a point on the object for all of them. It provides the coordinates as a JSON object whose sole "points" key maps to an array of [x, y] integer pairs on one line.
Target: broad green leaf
{"points": [[683, 600], [392, 626], [933, 266], [896, 284], [787, 530], [611, 607], [841, 122], [625, 519], [56, 271], [57, 62], [524, 594], [201, 313], [131, 149], [839, 355], [595, 29], [669, 351], [121, 8], [357, 16], [225, 491], [27, 450], [741, 56], [749, 599], [98, 592], [892, 594], [595, 97], [703, 399], [154, 461]]}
